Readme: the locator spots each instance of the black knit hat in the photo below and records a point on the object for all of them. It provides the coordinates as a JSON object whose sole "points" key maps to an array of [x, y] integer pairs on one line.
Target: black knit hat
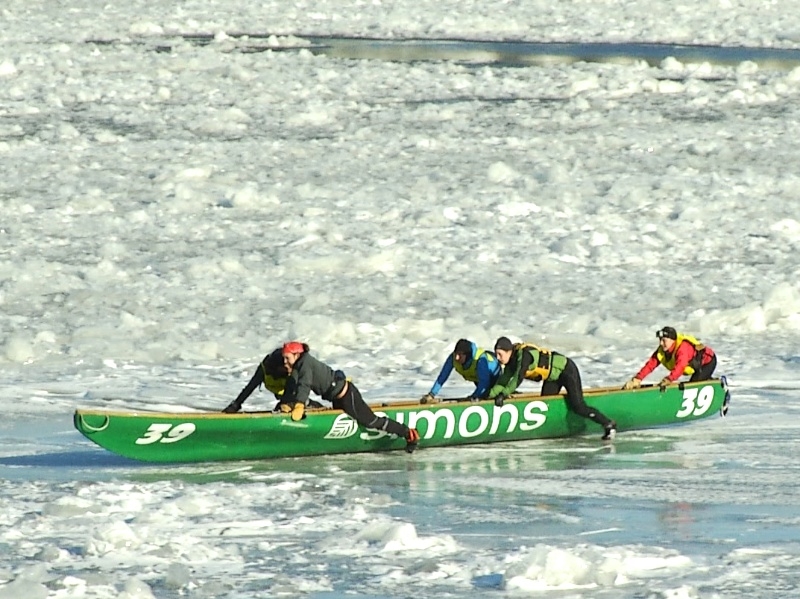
{"points": [[504, 343], [667, 332], [463, 347]]}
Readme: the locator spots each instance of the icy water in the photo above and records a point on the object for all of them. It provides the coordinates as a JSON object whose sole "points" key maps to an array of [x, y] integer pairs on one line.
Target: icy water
{"points": [[511, 53], [705, 510]]}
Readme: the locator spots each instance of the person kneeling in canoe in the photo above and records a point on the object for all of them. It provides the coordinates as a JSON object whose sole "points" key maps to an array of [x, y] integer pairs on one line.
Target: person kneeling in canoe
{"points": [[471, 362], [527, 361], [680, 354], [307, 374]]}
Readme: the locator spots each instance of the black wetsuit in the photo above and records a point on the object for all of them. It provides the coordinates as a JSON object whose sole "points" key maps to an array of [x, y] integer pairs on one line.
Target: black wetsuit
{"points": [[570, 380], [703, 372], [561, 372]]}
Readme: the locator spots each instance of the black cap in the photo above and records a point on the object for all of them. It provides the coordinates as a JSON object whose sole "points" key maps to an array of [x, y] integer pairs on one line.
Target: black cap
{"points": [[463, 347], [504, 343], [667, 332]]}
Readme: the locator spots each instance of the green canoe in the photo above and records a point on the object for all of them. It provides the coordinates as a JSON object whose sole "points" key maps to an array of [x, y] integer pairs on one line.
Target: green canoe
{"points": [[214, 436]]}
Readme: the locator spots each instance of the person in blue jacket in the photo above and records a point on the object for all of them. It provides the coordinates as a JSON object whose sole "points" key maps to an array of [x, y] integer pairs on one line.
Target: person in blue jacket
{"points": [[471, 362]]}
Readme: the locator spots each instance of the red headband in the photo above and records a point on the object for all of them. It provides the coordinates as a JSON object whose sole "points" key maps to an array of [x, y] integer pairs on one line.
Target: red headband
{"points": [[292, 347]]}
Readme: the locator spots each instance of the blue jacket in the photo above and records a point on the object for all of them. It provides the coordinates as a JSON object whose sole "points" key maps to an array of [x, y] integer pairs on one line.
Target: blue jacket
{"points": [[487, 371]]}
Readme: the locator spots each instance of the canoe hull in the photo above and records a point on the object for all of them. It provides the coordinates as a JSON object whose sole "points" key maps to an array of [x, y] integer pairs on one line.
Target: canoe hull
{"points": [[201, 437]]}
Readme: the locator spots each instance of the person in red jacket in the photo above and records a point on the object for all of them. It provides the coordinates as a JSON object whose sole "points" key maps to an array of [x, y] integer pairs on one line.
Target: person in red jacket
{"points": [[681, 354]]}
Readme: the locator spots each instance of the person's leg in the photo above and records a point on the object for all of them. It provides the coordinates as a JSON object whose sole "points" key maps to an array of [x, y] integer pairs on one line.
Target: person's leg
{"points": [[353, 404], [704, 372], [571, 380], [551, 387]]}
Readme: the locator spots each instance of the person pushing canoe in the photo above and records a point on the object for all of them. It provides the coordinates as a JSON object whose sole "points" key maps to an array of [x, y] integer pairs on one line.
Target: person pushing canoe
{"points": [[527, 361], [307, 374], [474, 364], [679, 353]]}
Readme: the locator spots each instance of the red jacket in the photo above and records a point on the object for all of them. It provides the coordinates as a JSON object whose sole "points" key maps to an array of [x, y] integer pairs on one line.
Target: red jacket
{"points": [[685, 354]]}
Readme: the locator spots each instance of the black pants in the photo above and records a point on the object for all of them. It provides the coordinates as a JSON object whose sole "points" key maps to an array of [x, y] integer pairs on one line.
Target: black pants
{"points": [[354, 406], [704, 372], [570, 380]]}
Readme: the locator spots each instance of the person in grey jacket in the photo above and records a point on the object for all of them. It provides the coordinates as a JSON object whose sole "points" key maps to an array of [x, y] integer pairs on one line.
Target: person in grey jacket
{"points": [[307, 374]]}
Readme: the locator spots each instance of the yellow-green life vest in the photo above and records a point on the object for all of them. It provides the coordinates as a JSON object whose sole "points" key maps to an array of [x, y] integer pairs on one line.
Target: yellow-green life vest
{"points": [[541, 370], [276, 385], [668, 361], [470, 373]]}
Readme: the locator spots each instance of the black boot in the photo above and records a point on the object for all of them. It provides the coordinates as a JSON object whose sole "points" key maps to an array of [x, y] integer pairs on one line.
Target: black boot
{"points": [[232, 407], [610, 431], [412, 439]]}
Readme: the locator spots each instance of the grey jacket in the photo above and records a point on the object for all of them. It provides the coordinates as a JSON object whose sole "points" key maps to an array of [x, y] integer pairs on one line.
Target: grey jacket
{"points": [[309, 374]]}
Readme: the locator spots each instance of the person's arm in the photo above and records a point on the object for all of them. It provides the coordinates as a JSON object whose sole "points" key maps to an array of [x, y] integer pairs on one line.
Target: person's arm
{"points": [[254, 383], [236, 404], [683, 355], [510, 379], [505, 385], [649, 366], [444, 374], [484, 372], [303, 376]]}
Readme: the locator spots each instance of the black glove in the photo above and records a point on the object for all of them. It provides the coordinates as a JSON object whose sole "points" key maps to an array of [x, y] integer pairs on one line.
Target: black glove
{"points": [[500, 400], [232, 408]]}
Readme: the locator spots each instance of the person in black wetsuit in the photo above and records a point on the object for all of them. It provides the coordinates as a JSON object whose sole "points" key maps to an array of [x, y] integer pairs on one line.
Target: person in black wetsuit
{"points": [[556, 371], [307, 374], [271, 373]]}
